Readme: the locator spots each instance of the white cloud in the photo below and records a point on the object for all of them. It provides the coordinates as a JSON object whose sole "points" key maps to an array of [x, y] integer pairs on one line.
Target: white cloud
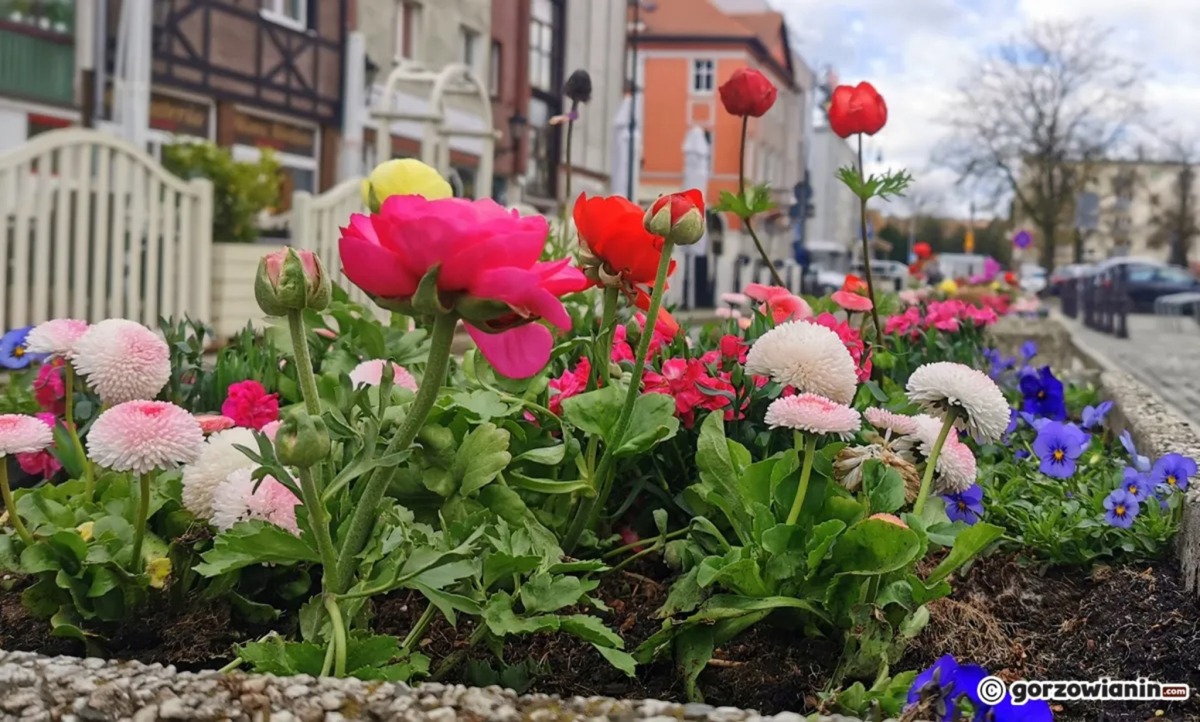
{"points": [[917, 51]]}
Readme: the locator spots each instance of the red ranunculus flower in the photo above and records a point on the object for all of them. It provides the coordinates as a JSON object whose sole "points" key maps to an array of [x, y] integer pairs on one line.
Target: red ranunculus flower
{"points": [[748, 93], [858, 109], [922, 250]]}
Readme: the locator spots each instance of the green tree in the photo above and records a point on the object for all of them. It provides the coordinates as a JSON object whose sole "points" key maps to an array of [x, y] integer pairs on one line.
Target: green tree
{"points": [[241, 190]]}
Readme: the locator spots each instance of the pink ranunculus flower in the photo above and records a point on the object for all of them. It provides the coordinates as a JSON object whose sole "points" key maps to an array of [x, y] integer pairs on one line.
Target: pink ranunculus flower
{"points": [[779, 303], [249, 405], [42, 464], [487, 270]]}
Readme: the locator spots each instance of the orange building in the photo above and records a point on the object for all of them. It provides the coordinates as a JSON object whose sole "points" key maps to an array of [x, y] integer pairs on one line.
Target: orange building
{"points": [[686, 49]]}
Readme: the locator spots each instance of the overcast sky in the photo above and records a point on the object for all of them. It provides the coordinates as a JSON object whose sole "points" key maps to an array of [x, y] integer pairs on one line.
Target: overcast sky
{"points": [[916, 51]]}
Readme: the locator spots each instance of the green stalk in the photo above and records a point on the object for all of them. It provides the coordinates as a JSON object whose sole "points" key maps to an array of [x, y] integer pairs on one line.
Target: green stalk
{"points": [[862, 207], [365, 511], [585, 515], [414, 634], [931, 462], [11, 505], [139, 528], [339, 636], [607, 331], [810, 450], [89, 474], [742, 193], [318, 517], [308, 382], [449, 663]]}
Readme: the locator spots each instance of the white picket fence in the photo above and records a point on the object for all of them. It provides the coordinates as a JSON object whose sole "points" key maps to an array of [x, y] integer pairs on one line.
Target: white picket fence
{"points": [[94, 228], [316, 226]]}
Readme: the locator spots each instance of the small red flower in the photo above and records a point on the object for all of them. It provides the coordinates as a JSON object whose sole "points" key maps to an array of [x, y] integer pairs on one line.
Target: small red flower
{"points": [[858, 109], [1010, 278], [250, 406], [748, 93], [922, 250]]}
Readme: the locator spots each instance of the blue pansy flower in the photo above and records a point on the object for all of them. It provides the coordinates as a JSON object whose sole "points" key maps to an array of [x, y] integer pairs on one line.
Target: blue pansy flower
{"points": [[948, 682], [965, 506], [1121, 508], [1172, 472], [1029, 349], [1058, 445], [1136, 484], [1141, 463], [1043, 394], [13, 354], [1035, 422], [1093, 416]]}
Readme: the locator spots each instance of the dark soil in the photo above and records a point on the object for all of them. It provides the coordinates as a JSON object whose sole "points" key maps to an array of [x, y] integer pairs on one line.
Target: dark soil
{"points": [[1123, 623]]}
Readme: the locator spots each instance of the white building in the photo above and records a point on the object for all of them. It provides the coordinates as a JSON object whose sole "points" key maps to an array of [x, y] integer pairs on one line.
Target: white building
{"points": [[836, 208]]}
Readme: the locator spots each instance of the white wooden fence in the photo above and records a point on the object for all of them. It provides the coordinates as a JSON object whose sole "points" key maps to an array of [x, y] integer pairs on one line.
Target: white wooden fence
{"points": [[94, 228], [316, 226]]}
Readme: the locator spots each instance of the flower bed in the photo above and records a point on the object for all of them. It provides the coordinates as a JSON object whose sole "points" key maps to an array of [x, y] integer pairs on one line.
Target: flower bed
{"points": [[816, 505]]}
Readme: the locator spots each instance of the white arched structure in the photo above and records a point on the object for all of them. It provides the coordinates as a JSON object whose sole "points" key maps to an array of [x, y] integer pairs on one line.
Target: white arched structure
{"points": [[454, 79]]}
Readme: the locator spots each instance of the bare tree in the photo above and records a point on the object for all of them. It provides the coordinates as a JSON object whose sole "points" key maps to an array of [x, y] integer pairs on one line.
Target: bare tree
{"points": [[1175, 223], [1035, 114]]}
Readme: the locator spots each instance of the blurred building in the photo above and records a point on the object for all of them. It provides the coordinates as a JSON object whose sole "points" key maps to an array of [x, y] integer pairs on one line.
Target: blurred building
{"points": [[835, 208]]}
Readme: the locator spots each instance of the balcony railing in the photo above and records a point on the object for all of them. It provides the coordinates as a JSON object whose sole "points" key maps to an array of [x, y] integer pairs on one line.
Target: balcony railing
{"points": [[37, 52]]}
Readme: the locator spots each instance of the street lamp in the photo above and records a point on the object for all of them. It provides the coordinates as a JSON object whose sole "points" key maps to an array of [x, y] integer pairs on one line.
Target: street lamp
{"points": [[516, 126]]}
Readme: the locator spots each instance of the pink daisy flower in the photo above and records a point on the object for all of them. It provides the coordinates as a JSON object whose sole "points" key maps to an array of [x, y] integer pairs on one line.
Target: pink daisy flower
{"points": [[122, 361], [235, 499], [21, 434], [141, 436], [813, 414], [41, 464], [370, 373], [57, 337], [212, 423], [885, 420]]}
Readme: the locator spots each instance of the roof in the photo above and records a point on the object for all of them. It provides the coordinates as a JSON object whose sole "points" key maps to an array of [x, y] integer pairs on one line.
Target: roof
{"points": [[700, 21]]}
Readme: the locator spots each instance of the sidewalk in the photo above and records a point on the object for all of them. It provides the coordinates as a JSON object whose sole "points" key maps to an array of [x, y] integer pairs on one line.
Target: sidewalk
{"points": [[1160, 353]]}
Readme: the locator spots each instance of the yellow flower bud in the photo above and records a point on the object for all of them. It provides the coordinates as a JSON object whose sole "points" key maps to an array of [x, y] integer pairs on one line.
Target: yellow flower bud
{"points": [[159, 571], [948, 287], [85, 530], [403, 177]]}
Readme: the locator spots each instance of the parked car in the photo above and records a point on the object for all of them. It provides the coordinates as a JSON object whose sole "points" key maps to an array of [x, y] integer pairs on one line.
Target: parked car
{"points": [[1062, 275], [828, 264], [1033, 278], [889, 275], [1145, 283]]}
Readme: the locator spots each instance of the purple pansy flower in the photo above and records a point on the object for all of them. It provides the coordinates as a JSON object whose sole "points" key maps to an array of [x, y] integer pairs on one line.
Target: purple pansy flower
{"points": [[13, 354], [1029, 349], [1141, 463], [948, 681], [1122, 508], [1035, 422], [1093, 416], [1136, 484], [965, 506], [1172, 472], [1058, 445], [1043, 394]]}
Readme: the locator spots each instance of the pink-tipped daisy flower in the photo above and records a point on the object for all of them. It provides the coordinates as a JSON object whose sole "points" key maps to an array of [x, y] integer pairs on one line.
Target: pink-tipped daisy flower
{"points": [[956, 467], [212, 423], [370, 373], [885, 420], [141, 436], [235, 499], [40, 464], [813, 414], [21, 434], [735, 299], [56, 338], [944, 386], [122, 361], [806, 356], [851, 301], [217, 459]]}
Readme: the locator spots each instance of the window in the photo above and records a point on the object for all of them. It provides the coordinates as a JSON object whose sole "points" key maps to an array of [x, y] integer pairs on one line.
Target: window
{"points": [[408, 30], [541, 46], [702, 76], [292, 13], [494, 69], [470, 49]]}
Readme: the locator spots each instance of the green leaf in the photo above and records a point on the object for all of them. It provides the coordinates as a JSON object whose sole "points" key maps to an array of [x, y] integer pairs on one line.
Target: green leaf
{"points": [[694, 648], [486, 405], [371, 651], [254, 542], [275, 656], [590, 629], [729, 606], [506, 503], [686, 594], [874, 546], [546, 456], [501, 620], [449, 604], [549, 486], [618, 658], [548, 593], [653, 421], [821, 540], [104, 580], [717, 471], [253, 612], [884, 485], [967, 546], [732, 203], [923, 593], [595, 412], [482, 456], [501, 565], [40, 558]]}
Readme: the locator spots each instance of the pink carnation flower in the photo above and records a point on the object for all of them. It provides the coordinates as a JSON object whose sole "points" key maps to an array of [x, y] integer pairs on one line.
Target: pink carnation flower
{"points": [[42, 464], [50, 388], [122, 361], [249, 405], [56, 338], [371, 374], [572, 382], [21, 434], [141, 436], [813, 414]]}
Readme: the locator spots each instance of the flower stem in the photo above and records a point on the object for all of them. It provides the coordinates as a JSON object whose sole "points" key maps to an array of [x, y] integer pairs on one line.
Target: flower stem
{"points": [[139, 527], [414, 634], [304, 367], [810, 450], [931, 462], [367, 507], [746, 221], [89, 473], [11, 505], [607, 330], [585, 515], [339, 636], [449, 663], [318, 518], [866, 246]]}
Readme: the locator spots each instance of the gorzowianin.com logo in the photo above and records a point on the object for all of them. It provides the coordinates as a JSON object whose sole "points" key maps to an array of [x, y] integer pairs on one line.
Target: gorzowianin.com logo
{"points": [[991, 690]]}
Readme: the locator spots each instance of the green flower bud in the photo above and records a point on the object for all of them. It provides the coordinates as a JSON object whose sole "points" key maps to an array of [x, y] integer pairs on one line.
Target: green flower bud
{"points": [[291, 280], [678, 217], [302, 440]]}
